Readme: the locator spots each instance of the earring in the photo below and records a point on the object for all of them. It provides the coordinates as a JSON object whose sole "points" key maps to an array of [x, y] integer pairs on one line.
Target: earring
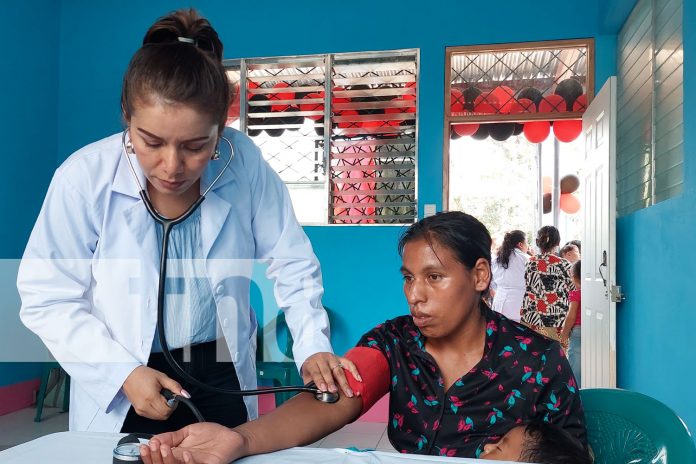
{"points": [[216, 154], [129, 148]]}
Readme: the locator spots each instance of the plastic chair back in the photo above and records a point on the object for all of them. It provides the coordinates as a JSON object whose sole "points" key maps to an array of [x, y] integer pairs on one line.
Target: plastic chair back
{"points": [[625, 427]]}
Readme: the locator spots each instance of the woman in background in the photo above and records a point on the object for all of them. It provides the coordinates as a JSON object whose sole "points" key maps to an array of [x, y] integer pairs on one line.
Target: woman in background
{"points": [[508, 275], [548, 283]]}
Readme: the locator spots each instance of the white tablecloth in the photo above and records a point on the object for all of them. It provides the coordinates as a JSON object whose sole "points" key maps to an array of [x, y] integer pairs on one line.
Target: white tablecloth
{"points": [[96, 448]]}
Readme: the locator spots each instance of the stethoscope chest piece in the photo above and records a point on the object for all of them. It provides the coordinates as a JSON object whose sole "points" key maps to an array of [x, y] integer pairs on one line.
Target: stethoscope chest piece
{"points": [[127, 453], [127, 450], [326, 397]]}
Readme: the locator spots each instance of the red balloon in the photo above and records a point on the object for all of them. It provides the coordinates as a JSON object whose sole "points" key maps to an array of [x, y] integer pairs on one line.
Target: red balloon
{"points": [[486, 103], [523, 105], [373, 123], [465, 129], [552, 104], [411, 108], [546, 184], [281, 96], [580, 103], [347, 124], [314, 106], [456, 101], [537, 131], [233, 109], [567, 130], [505, 97], [335, 100], [569, 203]]}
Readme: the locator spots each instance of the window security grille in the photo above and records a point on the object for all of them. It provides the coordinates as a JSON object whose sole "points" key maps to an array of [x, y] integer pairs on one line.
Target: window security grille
{"points": [[516, 82], [363, 169], [650, 134]]}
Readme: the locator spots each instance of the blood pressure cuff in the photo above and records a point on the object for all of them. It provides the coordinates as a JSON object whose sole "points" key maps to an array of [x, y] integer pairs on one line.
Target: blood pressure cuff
{"points": [[374, 370]]}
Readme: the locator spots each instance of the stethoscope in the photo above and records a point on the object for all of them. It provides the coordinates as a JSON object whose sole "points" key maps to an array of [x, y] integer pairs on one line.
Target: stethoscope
{"points": [[167, 225]]}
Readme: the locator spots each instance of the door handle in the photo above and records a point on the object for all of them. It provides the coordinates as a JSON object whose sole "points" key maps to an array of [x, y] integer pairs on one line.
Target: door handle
{"points": [[604, 263]]}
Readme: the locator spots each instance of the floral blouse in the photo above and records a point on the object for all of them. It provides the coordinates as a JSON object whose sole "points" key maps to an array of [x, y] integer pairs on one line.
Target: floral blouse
{"points": [[521, 376], [548, 281]]}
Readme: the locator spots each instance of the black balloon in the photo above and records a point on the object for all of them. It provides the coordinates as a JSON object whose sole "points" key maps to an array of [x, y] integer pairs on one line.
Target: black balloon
{"points": [[569, 183], [530, 93], [470, 95], [501, 131], [290, 119], [518, 129], [258, 109], [570, 89], [481, 133], [454, 135], [546, 203]]}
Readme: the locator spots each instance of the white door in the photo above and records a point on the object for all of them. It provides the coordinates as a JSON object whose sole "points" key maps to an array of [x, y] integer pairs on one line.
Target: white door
{"points": [[599, 290]]}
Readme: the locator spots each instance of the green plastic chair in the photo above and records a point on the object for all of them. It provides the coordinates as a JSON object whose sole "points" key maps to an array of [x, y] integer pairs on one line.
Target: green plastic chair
{"points": [[279, 373], [625, 427], [45, 377]]}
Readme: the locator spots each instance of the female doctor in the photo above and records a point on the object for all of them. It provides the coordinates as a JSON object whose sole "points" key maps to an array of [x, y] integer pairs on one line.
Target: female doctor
{"points": [[89, 276], [508, 275]]}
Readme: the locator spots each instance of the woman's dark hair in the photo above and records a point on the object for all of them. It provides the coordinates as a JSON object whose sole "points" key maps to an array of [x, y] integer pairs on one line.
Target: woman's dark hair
{"points": [[549, 444], [576, 269], [567, 248], [460, 232], [510, 242], [180, 62], [548, 238]]}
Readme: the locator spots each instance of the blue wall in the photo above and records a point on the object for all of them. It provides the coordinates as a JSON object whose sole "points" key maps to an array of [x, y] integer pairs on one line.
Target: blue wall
{"points": [[655, 267], [28, 129], [98, 38], [90, 81]]}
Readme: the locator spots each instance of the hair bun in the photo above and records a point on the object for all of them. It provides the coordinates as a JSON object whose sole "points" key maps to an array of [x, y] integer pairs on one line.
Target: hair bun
{"points": [[187, 24]]}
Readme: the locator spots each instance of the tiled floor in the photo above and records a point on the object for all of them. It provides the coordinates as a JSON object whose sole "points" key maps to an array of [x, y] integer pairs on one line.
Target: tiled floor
{"points": [[19, 427]]}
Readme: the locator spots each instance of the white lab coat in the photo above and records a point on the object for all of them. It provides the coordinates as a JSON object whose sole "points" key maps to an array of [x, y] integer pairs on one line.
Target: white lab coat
{"points": [[509, 285], [88, 278]]}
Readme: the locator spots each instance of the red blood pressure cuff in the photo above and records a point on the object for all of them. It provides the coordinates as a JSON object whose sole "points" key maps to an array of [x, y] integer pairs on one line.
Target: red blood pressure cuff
{"points": [[374, 370]]}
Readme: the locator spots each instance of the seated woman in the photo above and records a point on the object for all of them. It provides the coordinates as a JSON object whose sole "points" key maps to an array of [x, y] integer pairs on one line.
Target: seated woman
{"points": [[460, 375]]}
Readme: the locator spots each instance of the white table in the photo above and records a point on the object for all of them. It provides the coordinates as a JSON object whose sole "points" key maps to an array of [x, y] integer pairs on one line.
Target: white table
{"points": [[85, 447]]}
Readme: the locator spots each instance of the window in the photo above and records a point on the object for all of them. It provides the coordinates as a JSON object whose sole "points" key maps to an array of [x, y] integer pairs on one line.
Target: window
{"points": [[360, 171], [512, 121], [650, 132]]}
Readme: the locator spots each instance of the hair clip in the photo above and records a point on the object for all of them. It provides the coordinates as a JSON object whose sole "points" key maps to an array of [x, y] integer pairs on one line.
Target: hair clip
{"points": [[185, 39]]}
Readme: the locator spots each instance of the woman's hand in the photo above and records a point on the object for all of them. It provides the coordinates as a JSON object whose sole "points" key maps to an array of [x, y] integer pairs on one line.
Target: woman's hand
{"points": [[143, 387], [325, 369], [203, 443]]}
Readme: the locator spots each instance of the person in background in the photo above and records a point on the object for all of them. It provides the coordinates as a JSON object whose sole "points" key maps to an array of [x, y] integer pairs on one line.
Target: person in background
{"points": [[577, 244], [548, 282], [459, 375], [89, 275], [571, 333], [570, 252], [508, 275]]}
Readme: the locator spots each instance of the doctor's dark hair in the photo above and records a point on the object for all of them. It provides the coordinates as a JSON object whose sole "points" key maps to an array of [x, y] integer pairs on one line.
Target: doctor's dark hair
{"points": [[548, 238], [510, 242], [546, 443], [462, 233], [180, 61]]}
